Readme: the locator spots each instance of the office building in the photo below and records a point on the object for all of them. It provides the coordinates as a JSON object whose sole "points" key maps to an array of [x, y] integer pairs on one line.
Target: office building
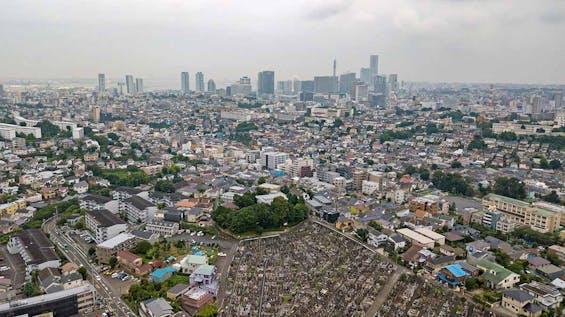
{"points": [[101, 83], [199, 81], [139, 85], [346, 82], [35, 249], [325, 84], [379, 85], [284, 87], [1, 90], [120, 88], [130, 85], [307, 86], [374, 65], [393, 83], [365, 75], [184, 83], [266, 83], [242, 87], [104, 224], [68, 302], [359, 91], [95, 114], [211, 86]]}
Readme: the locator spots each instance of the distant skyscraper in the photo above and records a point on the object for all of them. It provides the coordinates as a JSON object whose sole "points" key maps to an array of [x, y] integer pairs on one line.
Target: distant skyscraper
{"points": [[346, 82], [296, 87], [96, 114], [199, 78], [1, 90], [211, 86], [184, 83], [374, 65], [241, 88], [359, 91], [120, 88], [266, 83], [139, 85], [335, 65], [130, 85], [284, 87], [307, 86], [325, 84], [393, 82], [365, 75], [379, 84], [101, 83]]}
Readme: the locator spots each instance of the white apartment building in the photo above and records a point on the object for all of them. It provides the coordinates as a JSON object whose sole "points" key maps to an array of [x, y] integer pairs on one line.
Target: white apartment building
{"points": [[163, 228], [104, 224]]}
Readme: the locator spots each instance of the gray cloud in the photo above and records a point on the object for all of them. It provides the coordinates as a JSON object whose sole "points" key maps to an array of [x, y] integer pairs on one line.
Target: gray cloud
{"points": [[434, 40]]}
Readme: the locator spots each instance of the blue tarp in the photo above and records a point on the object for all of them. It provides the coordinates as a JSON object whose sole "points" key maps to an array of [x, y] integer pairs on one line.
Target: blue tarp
{"points": [[456, 270]]}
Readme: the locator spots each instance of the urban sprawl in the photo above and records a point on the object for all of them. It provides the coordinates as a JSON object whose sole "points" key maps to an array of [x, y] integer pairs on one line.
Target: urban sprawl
{"points": [[342, 195]]}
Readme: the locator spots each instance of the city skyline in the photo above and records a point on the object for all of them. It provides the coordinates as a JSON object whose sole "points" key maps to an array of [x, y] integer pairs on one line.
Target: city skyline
{"points": [[433, 41]]}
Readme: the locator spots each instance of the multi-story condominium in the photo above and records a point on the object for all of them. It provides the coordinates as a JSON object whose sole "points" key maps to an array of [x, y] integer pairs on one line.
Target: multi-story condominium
{"points": [[68, 302], [138, 210], [523, 213], [104, 224], [110, 247], [93, 202], [35, 249], [123, 193], [163, 228], [12, 207]]}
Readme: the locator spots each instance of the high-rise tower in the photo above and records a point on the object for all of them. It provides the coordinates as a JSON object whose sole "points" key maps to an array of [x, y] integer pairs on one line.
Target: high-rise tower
{"points": [[184, 83]]}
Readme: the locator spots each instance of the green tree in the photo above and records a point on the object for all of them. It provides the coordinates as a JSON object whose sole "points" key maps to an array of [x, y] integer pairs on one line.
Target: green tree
{"points": [[91, 251], [247, 199], [362, 234], [509, 187], [142, 247], [552, 197], [165, 186], [456, 164], [113, 261], [84, 272], [555, 164]]}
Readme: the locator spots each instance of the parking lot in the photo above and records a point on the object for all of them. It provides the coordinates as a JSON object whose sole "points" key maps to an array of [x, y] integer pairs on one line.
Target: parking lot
{"points": [[15, 270]]}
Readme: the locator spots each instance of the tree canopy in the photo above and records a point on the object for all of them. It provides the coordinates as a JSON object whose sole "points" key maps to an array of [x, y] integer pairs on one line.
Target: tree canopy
{"points": [[509, 187]]}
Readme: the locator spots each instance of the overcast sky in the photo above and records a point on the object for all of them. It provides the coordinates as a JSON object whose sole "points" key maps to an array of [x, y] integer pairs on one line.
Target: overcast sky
{"points": [[519, 41]]}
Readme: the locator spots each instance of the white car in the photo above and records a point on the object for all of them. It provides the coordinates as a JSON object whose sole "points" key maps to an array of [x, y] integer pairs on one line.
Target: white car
{"points": [[222, 254], [4, 268]]}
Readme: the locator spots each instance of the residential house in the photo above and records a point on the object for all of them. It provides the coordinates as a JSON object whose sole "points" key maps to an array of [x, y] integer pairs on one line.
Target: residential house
{"points": [[520, 303], [155, 307], [496, 276]]}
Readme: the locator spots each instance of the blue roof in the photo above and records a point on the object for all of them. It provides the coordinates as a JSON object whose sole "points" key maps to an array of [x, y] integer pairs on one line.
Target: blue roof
{"points": [[456, 270], [160, 273]]}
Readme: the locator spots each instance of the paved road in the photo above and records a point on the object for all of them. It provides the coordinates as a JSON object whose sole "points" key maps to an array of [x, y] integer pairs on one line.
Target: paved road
{"points": [[383, 294], [74, 253]]}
